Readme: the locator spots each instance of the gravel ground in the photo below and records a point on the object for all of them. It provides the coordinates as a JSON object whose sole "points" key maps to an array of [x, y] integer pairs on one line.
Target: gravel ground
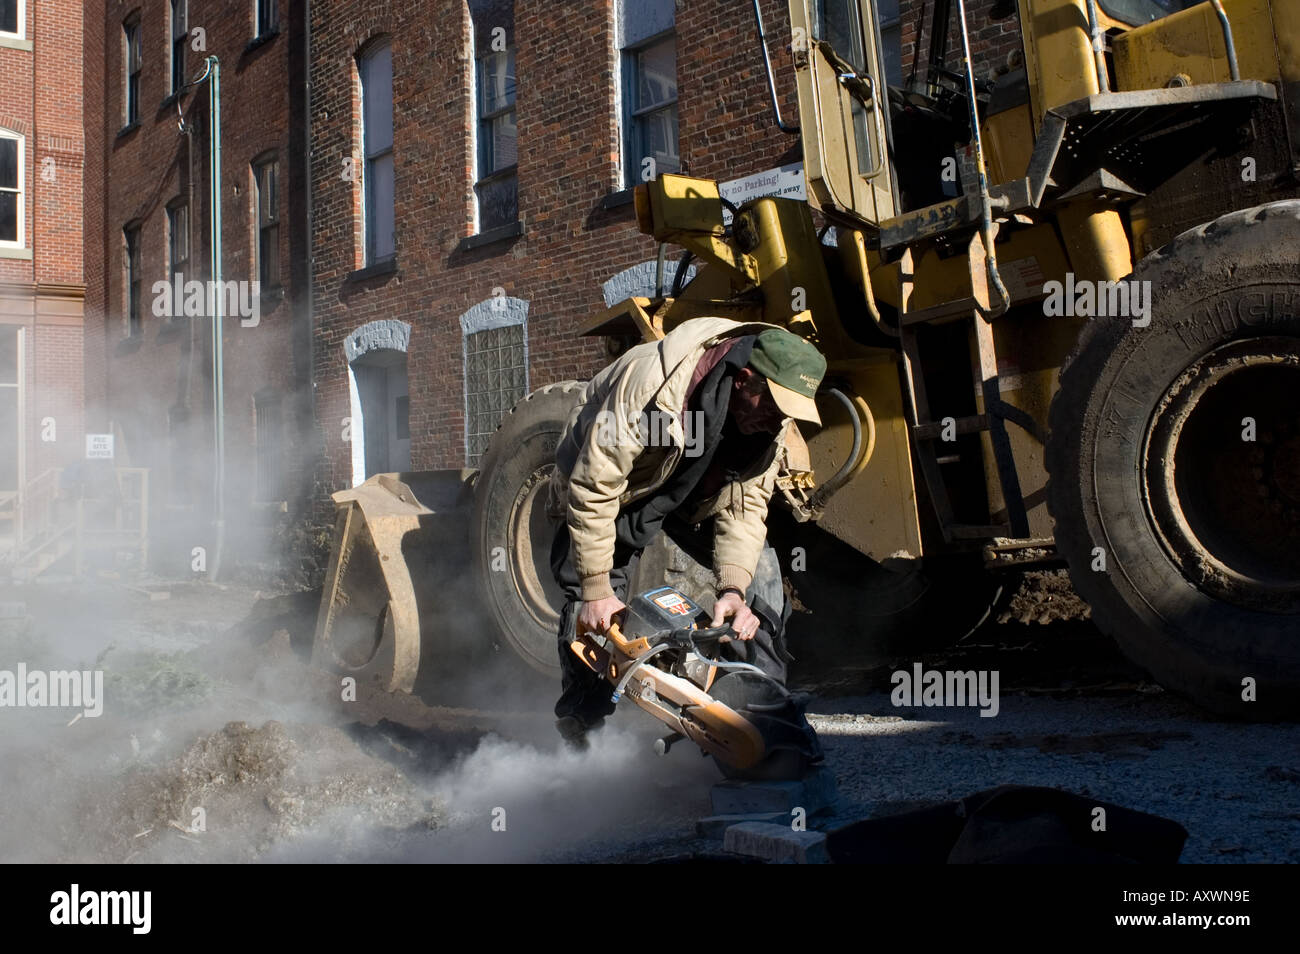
{"points": [[206, 712]]}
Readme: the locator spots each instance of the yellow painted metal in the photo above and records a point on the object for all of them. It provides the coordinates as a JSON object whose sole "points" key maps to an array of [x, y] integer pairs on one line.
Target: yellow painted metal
{"points": [[1190, 44], [1008, 144], [1031, 349], [1058, 54], [1096, 241], [876, 510], [1026, 258], [839, 179], [688, 212]]}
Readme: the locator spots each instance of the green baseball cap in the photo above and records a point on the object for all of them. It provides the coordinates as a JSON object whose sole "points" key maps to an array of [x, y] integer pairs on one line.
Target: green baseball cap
{"points": [[794, 370]]}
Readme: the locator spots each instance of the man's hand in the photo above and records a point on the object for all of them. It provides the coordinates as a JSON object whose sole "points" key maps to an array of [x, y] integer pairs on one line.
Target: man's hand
{"points": [[732, 604], [596, 616]]}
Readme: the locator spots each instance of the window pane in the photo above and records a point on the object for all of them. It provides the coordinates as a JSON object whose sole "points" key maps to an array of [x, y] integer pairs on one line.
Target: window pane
{"points": [[656, 71], [494, 25], [496, 82], [8, 16], [377, 99], [178, 224], [8, 163], [268, 256], [8, 438], [495, 379], [267, 184], [838, 22], [178, 18], [639, 20], [266, 16], [659, 132], [498, 202], [379, 208], [8, 217], [503, 138], [8, 354]]}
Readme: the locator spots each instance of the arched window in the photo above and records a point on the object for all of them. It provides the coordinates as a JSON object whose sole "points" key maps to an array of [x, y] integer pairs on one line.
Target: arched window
{"points": [[495, 333]]}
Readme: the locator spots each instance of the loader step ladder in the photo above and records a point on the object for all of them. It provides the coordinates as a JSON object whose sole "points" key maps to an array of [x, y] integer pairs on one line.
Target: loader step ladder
{"points": [[926, 431]]}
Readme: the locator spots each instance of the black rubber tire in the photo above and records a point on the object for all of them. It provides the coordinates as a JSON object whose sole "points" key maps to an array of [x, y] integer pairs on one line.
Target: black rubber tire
{"points": [[1231, 280], [522, 595]]}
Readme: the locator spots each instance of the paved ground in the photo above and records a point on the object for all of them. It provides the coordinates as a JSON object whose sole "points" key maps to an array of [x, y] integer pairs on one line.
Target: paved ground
{"points": [[218, 742]]}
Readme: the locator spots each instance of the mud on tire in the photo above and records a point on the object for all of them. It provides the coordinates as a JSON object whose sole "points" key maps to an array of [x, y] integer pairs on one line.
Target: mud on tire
{"points": [[1152, 469]]}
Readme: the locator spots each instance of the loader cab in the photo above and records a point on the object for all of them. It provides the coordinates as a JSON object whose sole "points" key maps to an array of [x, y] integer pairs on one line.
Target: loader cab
{"points": [[876, 149]]}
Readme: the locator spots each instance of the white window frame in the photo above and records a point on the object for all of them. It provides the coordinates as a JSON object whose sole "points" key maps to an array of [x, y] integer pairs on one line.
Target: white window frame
{"points": [[21, 241], [21, 33]]}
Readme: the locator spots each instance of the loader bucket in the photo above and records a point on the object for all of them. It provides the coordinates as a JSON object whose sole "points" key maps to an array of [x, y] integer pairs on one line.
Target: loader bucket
{"points": [[399, 584]]}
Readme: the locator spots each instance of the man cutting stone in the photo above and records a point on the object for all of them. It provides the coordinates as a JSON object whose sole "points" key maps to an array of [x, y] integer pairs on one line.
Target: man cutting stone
{"points": [[734, 388]]}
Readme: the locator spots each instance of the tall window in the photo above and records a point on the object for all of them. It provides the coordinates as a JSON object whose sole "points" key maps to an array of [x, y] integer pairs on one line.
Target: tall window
{"points": [[11, 17], [11, 383], [131, 33], [268, 16], [180, 33], [11, 188], [180, 440], [649, 64], [270, 445], [178, 239], [133, 279], [497, 187], [376, 69], [266, 193]]}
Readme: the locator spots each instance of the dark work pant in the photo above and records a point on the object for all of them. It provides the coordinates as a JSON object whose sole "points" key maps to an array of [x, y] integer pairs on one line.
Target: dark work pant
{"points": [[587, 695]]}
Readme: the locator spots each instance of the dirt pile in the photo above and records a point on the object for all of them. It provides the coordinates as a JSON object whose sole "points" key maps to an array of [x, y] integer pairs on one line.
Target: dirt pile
{"points": [[241, 792]]}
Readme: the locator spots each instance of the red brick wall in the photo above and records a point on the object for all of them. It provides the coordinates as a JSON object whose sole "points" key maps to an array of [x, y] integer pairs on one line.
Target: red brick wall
{"points": [[992, 42], [41, 98], [568, 162], [146, 168]]}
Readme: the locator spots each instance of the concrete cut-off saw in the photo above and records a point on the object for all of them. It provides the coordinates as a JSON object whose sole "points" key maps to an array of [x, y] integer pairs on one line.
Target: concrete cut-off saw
{"points": [[661, 653]]}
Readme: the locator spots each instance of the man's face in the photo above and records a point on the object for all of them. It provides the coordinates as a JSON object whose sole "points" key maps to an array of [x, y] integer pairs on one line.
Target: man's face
{"points": [[752, 406]]}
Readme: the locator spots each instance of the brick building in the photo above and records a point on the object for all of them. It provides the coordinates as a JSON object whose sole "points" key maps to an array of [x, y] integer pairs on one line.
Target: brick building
{"points": [[42, 282], [470, 169], [149, 366]]}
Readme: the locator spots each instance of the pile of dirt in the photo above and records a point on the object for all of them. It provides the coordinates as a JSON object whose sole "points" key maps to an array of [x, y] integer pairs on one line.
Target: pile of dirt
{"points": [[241, 792], [1044, 596]]}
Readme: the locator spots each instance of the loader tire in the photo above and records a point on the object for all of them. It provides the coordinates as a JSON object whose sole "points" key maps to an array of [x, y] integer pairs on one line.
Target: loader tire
{"points": [[511, 530], [1174, 463]]}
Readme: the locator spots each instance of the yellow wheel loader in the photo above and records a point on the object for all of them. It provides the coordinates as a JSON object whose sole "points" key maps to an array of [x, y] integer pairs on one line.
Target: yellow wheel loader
{"points": [[1060, 304]]}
